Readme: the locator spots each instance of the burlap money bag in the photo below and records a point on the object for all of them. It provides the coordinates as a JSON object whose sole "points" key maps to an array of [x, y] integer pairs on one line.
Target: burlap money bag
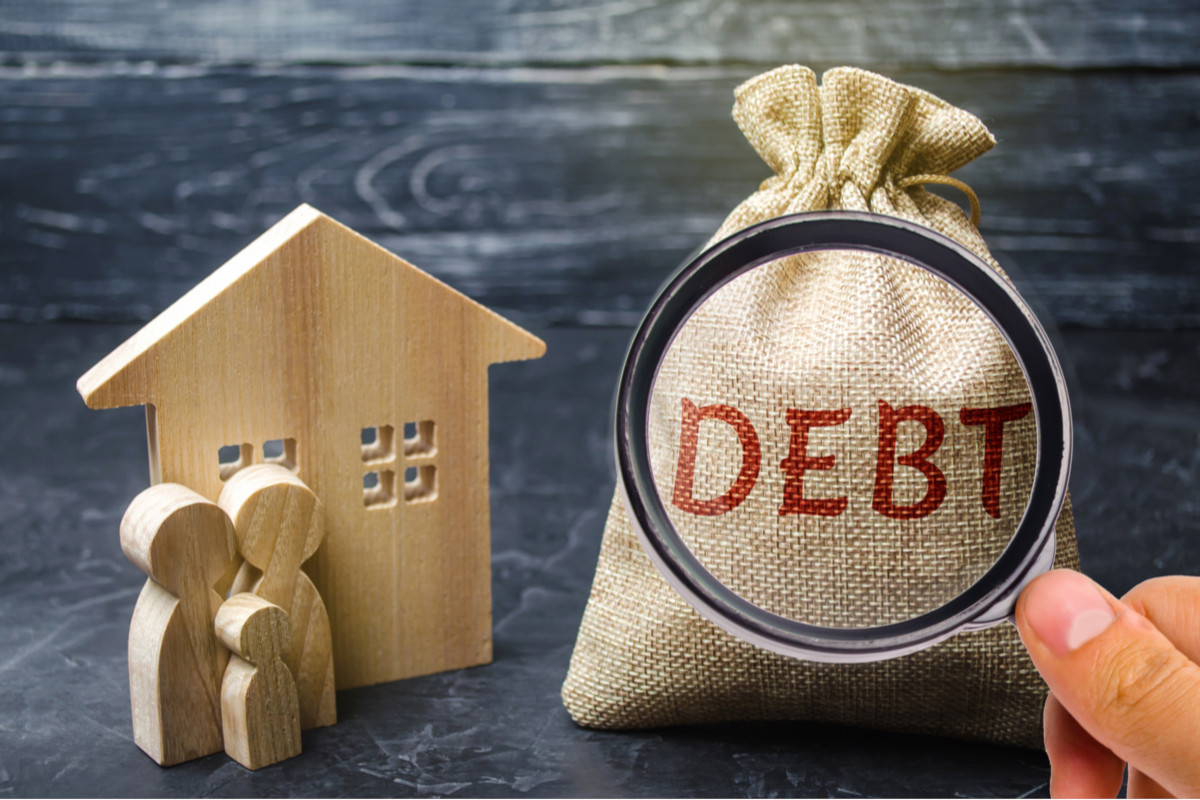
{"points": [[872, 360]]}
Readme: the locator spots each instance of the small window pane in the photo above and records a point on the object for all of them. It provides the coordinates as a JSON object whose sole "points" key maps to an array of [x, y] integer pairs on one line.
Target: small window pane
{"points": [[281, 452], [422, 485], [379, 489], [379, 443], [233, 457], [420, 438]]}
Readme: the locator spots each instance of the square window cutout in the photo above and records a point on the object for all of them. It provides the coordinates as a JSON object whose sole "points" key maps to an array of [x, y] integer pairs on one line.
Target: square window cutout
{"points": [[378, 443], [379, 489], [281, 452], [233, 457], [419, 438], [420, 483]]}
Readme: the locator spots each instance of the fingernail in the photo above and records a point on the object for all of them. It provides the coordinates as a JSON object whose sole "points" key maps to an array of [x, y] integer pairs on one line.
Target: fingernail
{"points": [[1066, 610]]}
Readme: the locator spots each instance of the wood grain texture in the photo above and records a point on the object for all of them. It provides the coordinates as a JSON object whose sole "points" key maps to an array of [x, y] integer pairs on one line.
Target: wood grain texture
{"points": [[185, 544], [279, 524], [561, 196], [260, 712], [311, 335], [862, 32]]}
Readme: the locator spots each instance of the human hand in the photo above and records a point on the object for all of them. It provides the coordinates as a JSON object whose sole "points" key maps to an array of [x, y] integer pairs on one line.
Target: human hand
{"points": [[1124, 683]]}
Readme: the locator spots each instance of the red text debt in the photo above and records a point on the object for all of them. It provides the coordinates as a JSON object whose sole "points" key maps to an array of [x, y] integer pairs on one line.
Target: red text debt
{"points": [[799, 460]]}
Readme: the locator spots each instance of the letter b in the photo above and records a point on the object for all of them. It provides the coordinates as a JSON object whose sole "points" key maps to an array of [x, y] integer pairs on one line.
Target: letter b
{"points": [[885, 464]]}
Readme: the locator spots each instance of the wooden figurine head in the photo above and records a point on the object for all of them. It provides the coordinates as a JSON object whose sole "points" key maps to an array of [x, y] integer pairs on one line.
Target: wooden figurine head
{"points": [[253, 628], [181, 540], [279, 524]]}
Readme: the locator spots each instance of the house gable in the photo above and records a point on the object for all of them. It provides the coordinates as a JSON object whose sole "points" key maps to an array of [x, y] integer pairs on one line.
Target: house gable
{"points": [[128, 375]]}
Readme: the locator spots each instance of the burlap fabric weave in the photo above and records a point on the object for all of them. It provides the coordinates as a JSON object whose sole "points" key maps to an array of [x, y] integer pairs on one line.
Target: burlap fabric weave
{"points": [[866, 360]]}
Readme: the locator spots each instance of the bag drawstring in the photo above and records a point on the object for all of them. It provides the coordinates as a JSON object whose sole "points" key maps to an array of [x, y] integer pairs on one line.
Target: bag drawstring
{"points": [[945, 180]]}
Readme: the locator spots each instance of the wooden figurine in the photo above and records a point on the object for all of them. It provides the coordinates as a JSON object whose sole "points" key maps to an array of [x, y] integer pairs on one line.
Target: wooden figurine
{"points": [[186, 545], [259, 710], [321, 352], [279, 524]]}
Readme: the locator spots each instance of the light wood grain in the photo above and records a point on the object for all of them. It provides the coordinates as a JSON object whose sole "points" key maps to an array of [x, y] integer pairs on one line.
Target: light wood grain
{"points": [[279, 524], [313, 333], [259, 706], [185, 544], [862, 32]]}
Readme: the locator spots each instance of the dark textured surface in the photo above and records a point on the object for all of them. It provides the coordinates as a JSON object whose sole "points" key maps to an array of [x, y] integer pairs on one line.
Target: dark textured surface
{"points": [[947, 34], [565, 195], [66, 594]]}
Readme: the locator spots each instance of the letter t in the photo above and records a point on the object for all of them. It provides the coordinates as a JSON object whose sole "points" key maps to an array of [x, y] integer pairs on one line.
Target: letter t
{"points": [[993, 420]]}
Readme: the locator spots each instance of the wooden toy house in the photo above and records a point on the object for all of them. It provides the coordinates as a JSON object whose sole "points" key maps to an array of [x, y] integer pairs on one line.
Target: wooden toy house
{"points": [[318, 350]]}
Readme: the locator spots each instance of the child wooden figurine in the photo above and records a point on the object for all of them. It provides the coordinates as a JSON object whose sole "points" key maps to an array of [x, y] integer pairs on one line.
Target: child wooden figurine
{"points": [[260, 714], [186, 545], [279, 524]]}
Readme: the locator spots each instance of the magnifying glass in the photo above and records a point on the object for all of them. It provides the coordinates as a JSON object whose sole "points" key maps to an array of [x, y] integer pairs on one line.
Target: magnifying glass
{"points": [[830, 480]]}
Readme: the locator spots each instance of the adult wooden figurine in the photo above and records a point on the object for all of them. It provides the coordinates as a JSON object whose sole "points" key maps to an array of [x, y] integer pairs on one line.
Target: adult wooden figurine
{"points": [[185, 543], [279, 524], [260, 714]]}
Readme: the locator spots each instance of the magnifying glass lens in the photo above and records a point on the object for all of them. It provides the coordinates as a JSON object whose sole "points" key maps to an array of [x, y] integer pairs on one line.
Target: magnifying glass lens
{"points": [[842, 438]]}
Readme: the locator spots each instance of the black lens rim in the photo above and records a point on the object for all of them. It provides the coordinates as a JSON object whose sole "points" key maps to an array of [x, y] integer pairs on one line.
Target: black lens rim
{"points": [[794, 234]]}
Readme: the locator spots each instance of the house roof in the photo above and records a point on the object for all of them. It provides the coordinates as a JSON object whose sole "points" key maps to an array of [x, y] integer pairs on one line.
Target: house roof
{"points": [[119, 379]]}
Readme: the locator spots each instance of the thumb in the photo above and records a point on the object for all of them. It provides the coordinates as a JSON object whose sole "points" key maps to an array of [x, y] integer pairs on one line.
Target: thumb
{"points": [[1117, 675]]}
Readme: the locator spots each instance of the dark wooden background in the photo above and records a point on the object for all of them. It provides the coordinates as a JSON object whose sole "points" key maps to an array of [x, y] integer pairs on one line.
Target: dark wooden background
{"points": [[554, 159], [557, 158]]}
